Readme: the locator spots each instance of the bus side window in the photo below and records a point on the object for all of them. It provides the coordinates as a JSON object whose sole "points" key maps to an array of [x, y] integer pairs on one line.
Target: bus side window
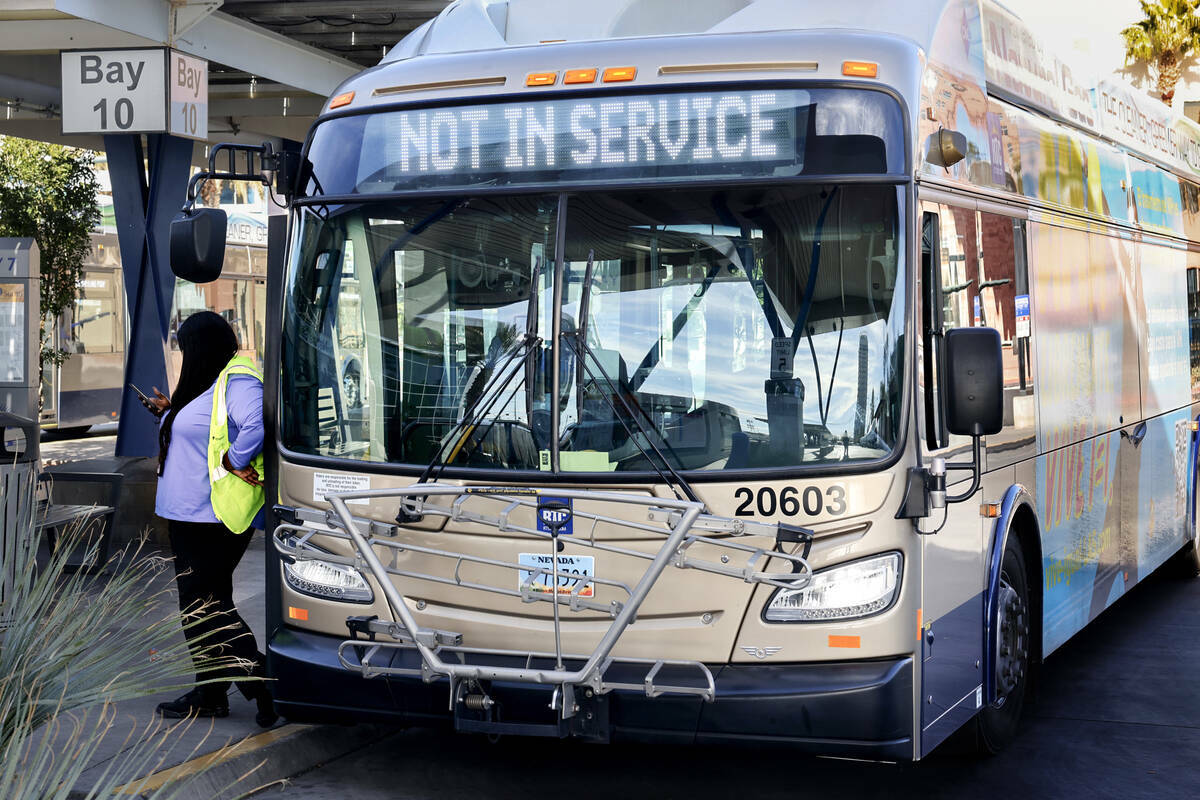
{"points": [[931, 326], [950, 296], [1193, 306], [1004, 305]]}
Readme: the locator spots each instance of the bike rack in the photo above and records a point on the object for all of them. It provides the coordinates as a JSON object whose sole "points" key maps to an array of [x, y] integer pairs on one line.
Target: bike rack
{"points": [[681, 524]]}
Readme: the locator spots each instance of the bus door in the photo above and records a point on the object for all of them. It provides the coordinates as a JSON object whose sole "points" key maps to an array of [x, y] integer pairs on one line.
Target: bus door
{"points": [[952, 565]]}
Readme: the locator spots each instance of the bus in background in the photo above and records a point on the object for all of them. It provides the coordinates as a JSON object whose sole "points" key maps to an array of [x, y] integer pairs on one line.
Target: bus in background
{"points": [[771, 373], [85, 390]]}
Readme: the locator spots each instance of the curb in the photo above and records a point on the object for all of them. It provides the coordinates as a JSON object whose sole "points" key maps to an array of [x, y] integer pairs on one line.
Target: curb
{"points": [[258, 761]]}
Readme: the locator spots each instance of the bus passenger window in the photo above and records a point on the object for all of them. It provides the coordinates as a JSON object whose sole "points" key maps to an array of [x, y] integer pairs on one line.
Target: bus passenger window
{"points": [[93, 327], [1003, 303], [1193, 306]]}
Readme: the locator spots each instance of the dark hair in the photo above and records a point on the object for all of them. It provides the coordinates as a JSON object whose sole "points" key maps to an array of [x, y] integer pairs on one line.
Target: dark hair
{"points": [[207, 342]]}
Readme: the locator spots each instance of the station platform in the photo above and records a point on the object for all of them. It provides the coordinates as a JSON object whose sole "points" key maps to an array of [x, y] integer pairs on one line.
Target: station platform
{"points": [[227, 748]]}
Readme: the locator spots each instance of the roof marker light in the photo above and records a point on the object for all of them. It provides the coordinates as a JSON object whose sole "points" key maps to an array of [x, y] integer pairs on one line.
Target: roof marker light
{"points": [[860, 69], [343, 99], [580, 75], [541, 79], [619, 74]]}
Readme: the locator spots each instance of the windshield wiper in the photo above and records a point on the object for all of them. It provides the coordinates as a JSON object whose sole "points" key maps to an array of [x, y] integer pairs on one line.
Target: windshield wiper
{"points": [[581, 331], [480, 407], [668, 474]]}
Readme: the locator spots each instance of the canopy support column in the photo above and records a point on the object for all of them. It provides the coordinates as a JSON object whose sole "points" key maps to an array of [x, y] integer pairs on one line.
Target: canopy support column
{"points": [[145, 204]]}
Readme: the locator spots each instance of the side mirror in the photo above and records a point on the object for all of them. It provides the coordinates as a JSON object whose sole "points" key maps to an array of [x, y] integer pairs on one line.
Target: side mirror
{"points": [[945, 148], [198, 244], [974, 381]]}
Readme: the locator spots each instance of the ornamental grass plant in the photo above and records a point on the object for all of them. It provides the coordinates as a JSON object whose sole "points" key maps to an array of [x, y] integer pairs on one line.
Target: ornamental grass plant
{"points": [[73, 648]]}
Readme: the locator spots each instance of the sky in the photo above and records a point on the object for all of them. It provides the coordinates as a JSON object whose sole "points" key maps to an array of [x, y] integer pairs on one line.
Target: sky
{"points": [[1086, 33]]}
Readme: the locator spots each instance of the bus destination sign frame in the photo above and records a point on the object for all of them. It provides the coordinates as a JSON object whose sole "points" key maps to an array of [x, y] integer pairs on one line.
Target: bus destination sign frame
{"points": [[657, 136]]}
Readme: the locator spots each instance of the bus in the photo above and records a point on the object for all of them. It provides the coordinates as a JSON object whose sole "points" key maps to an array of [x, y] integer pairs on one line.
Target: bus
{"points": [[777, 372]]}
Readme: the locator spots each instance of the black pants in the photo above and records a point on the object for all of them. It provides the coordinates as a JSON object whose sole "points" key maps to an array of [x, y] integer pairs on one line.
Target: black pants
{"points": [[206, 553]]}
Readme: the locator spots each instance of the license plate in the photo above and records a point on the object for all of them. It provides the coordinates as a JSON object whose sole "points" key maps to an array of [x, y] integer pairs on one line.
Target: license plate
{"points": [[570, 568]]}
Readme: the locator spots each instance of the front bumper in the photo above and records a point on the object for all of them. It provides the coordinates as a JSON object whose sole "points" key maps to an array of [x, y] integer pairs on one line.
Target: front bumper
{"points": [[849, 708]]}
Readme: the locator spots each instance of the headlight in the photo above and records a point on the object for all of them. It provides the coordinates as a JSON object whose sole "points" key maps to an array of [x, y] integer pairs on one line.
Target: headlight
{"points": [[858, 589], [327, 580]]}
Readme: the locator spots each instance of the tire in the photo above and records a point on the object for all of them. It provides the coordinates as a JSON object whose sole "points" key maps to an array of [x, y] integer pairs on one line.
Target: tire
{"points": [[1186, 563], [996, 725]]}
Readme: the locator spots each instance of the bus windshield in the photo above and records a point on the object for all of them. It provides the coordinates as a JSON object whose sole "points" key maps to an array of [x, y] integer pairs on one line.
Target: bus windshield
{"points": [[720, 328]]}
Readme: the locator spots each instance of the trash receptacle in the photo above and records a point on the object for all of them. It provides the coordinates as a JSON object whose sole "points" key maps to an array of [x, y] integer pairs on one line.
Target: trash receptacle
{"points": [[18, 501]]}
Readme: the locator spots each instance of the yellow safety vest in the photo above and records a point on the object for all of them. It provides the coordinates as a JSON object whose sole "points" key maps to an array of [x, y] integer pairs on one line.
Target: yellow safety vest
{"points": [[234, 501]]}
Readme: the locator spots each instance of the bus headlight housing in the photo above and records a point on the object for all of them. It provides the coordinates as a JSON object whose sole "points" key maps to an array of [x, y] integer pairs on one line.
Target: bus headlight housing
{"points": [[326, 579], [847, 591]]}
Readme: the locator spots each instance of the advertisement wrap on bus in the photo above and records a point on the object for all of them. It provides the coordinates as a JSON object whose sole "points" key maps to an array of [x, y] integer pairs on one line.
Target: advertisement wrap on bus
{"points": [[738, 379]]}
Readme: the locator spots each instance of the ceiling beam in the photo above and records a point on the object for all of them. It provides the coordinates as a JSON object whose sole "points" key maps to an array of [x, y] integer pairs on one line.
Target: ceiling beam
{"points": [[348, 38], [300, 29], [236, 43], [219, 37], [331, 8]]}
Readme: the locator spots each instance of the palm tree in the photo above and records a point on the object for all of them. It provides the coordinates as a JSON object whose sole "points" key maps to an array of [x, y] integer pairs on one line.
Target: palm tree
{"points": [[1169, 32]]}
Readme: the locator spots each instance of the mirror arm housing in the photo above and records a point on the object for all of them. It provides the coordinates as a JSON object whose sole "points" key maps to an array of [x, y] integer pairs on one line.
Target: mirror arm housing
{"points": [[198, 235], [926, 489], [973, 466], [261, 165]]}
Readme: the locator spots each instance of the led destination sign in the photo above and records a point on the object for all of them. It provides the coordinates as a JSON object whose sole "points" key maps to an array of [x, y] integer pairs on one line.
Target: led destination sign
{"points": [[751, 133]]}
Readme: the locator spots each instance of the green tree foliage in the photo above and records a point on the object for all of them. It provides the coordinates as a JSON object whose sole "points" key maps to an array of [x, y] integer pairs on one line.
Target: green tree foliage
{"points": [[48, 192], [1166, 35]]}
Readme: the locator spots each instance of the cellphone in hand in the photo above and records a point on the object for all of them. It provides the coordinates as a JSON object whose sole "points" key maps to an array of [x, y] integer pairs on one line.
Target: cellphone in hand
{"points": [[141, 394]]}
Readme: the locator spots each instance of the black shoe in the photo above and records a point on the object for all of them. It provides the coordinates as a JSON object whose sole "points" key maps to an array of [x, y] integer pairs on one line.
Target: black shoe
{"points": [[266, 716], [257, 691], [194, 704]]}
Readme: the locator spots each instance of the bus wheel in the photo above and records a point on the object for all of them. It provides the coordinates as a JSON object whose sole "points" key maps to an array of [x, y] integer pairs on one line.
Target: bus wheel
{"points": [[1186, 563], [997, 724]]}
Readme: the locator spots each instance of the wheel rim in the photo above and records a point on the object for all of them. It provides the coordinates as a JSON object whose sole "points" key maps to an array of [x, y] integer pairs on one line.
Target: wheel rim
{"points": [[1012, 639]]}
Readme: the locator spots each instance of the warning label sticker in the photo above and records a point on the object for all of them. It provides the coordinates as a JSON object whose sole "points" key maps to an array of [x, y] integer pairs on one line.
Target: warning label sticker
{"points": [[336, 482]]}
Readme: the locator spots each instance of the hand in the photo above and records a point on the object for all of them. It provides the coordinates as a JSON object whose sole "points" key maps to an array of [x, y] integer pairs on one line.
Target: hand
{"points": [[248, 474], [158, 404]]}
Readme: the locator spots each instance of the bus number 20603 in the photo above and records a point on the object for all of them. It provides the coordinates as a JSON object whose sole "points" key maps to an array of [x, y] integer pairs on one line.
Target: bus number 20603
{"points": [[790, 501]]}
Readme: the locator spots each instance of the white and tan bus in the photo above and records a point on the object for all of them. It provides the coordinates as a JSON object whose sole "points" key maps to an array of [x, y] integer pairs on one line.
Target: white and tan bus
{"points": [[774, 371]]}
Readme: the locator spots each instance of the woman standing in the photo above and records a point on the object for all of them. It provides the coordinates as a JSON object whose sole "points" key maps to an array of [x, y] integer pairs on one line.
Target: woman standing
{"points": [[210, 493]]}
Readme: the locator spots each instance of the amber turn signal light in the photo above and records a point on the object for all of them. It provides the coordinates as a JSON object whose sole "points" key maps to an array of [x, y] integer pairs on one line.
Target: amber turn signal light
{"points": [[619, 74], [860, 69], [580, 76], [343, 99]]}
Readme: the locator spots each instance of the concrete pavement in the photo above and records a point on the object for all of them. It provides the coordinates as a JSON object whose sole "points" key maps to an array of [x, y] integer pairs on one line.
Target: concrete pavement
{"points": [[1117, 716], [271, 755]]}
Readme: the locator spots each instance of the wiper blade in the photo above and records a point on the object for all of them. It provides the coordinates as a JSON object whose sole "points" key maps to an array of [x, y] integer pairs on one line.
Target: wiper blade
{"points": [[581, 331]]}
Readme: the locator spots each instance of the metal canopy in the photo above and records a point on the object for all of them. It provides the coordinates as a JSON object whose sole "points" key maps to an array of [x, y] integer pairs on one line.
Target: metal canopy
{"points": [[271, 64]]}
